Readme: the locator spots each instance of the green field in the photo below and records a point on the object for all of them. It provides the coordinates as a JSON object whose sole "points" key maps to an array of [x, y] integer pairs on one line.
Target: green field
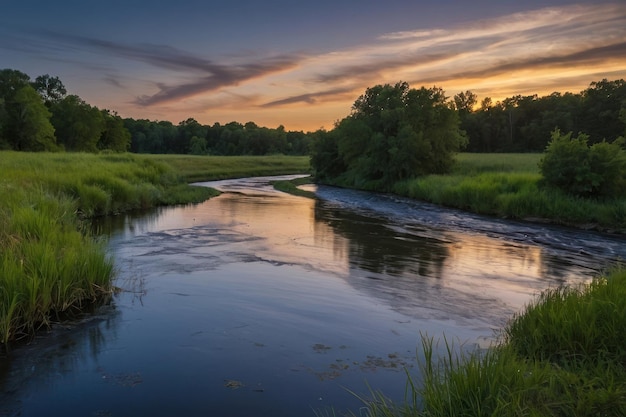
{"points": [[203, 168]]}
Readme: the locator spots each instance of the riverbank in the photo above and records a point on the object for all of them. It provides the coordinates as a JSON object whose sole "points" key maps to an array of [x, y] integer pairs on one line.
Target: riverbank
{"points": [[50, 267], [509, 186], [562, 356]]}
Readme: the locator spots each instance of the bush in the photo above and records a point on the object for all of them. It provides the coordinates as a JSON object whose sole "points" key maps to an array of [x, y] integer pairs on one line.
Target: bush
{"points": [[571, 165]]}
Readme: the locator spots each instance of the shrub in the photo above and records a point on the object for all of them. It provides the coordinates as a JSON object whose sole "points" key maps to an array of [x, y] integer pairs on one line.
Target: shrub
{"points": [[571, 165]]}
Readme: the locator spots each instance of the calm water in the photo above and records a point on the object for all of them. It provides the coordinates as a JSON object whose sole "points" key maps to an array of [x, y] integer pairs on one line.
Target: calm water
{"points": [[257, 303]]}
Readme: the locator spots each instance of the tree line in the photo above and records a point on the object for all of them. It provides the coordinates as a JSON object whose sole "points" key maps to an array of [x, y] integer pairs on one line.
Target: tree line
{"points": [[39, 115], [526, 123], [191, 137]]}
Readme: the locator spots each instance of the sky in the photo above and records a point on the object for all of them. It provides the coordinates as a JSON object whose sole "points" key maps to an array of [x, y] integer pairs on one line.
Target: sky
{"points": [[303, 64]]}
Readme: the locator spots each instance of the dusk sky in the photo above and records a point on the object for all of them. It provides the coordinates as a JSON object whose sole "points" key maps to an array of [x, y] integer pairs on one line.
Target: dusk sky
{"points": [[303, 64]]}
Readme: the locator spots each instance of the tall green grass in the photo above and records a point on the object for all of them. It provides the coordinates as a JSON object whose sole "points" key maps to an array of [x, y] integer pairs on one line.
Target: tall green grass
{"points": [[49, 265], [509, 186], [564, 355]]}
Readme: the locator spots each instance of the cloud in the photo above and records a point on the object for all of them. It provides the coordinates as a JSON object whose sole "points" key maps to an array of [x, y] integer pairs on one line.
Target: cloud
{"points": [[309, 98], [114, 81], [204, 74], [579, 58], [219, 76], [582, 37]]}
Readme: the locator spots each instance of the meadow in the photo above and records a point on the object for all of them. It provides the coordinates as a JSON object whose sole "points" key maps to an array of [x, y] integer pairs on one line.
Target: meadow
{"points": [[195, 168], [50, 265]]}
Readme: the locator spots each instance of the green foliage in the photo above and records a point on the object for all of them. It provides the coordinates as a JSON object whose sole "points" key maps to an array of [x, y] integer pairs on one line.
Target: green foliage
{"points": [[78, 125], [47, 265], [325, 158], [589, 319], [51, 89], [508, 185], [11, 81], [573, 166], [115, 136], [34, 114], [524, 123], [28, 125], [393, 133], [205, 168]]}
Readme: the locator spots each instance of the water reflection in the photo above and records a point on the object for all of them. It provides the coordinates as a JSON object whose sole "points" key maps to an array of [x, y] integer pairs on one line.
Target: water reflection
{"points": [[376, 247], [53, 357]]}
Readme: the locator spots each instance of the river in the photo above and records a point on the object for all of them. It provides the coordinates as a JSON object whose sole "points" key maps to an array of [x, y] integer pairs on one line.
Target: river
{"points": [[259, 303]]}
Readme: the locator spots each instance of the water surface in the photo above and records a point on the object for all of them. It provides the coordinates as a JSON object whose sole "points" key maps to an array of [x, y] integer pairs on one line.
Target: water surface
{"points": [[261, 303]]}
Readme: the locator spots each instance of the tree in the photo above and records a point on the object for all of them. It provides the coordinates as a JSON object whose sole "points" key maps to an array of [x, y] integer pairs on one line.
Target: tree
{"points": [[464, 102], [115, 136], [326, 162], [602, 103], [573, 166], [187, 129], [198, 146], [51, 89], [27, 127], [393, 133], [11, 81], [78, 125]]}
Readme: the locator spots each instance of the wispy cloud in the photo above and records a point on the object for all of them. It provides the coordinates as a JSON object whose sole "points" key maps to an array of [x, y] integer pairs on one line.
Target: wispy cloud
{"points": [[205, 75], [566, 36], [219, 76], [309, 98], [542, 41]]}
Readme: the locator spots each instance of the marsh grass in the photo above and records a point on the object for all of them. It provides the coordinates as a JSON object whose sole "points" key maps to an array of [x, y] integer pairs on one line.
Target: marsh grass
{"points": [[564, 355], [49, 265], [510, 186]]}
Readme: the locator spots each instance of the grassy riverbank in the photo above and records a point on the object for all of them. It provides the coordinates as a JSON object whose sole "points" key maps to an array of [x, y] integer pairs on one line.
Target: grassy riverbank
{"points": [[49, 266], [509, 186], [564, 355]]}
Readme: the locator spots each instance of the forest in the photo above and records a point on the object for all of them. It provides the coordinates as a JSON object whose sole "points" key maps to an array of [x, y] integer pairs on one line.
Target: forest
{"points": [[40, 115]]}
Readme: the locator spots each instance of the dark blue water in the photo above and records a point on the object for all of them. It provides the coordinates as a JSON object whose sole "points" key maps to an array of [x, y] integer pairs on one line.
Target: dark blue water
{"points": [[257, 303]]}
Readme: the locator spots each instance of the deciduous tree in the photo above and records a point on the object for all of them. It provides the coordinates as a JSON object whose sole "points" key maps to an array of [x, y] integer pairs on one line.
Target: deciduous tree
{"points": [[78, 125], [394, 132], [28, 127]]}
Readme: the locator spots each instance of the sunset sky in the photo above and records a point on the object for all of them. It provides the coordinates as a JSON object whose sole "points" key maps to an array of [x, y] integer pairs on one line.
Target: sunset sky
{"points": [[303, 64]]}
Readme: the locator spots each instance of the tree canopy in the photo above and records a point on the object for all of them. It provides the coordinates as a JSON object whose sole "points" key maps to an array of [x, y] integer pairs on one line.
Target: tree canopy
{"points": [[394, 132]]}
